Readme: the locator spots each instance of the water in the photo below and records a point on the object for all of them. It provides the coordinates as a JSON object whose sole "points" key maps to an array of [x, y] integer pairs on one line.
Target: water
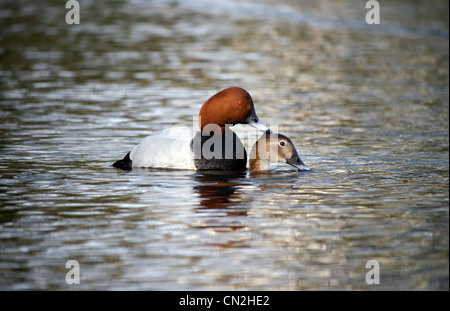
{"points": [[366, 106]]}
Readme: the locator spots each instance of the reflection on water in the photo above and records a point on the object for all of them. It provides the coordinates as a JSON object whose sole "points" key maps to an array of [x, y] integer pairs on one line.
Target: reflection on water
{"points": [[367, 108]]}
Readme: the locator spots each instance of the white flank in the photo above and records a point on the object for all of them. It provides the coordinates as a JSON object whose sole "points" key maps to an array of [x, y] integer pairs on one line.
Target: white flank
{"points": [[170, 148]]}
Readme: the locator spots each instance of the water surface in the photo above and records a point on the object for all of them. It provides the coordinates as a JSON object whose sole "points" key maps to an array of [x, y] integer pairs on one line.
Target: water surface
{"points": [[366, 106]]}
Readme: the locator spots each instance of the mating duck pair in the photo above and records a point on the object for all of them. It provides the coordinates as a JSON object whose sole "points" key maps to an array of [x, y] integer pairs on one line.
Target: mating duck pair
{"points": [[215, 146]]}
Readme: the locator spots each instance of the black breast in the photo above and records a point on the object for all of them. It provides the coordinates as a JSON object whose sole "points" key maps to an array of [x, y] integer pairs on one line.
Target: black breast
{"points": [[223, 151]]}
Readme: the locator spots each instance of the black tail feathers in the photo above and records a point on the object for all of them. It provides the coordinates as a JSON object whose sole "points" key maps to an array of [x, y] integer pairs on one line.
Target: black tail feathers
{"points": [[125, 163]]}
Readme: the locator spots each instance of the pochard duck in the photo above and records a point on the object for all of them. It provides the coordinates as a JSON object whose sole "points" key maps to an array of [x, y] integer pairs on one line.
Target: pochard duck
{"points": [[214, 147], [271, 148]]}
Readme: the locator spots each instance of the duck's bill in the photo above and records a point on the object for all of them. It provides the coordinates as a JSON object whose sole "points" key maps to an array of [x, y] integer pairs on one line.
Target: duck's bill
{"points": [[296, 162], [253, 120], [302, 167]]}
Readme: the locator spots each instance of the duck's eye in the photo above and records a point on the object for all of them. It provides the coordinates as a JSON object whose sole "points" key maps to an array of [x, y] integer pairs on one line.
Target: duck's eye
{"points": [[240, 103], [282, 143]]}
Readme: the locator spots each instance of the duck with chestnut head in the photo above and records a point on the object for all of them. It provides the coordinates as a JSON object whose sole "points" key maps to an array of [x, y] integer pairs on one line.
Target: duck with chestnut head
{"points": [[182, 148]]}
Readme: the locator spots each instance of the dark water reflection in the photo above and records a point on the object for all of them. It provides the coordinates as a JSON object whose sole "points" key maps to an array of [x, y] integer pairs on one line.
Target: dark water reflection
{"points": [[367, 107]]}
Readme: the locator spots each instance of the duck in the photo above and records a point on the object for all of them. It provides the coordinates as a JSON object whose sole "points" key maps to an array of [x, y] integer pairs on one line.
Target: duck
{"points": [[272, 148], [214, 147]]}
